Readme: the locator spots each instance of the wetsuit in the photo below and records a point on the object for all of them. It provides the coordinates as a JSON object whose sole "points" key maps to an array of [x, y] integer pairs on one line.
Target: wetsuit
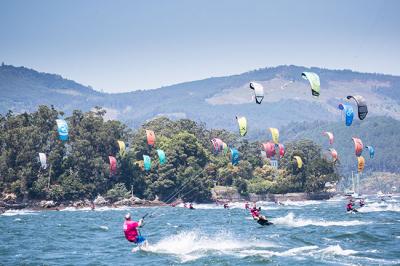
{"points": [[260, 219], [350, 207]]}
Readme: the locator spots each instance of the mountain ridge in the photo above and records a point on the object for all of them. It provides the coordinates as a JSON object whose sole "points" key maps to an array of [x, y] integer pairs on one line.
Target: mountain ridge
{"points": [[215, 101]]}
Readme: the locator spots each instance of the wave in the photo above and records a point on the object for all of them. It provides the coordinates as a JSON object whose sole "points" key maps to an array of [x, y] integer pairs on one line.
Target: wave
{"points": [[300, 251], [301, 203], [98, 209], [292, 221], [380, 207], [337, 250], [19, 212], [192, 245]]}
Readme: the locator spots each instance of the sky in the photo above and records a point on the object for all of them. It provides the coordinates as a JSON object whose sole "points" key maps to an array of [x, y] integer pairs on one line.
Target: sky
{"points": [[126, 45]]}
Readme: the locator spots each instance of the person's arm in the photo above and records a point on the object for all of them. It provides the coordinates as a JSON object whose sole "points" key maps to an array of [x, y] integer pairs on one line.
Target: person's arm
{"points": [[141, 223]]}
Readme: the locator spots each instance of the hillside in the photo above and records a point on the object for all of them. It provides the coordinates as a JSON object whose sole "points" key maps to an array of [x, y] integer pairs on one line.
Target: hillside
{"points": [[214, 101], [379, 132]]}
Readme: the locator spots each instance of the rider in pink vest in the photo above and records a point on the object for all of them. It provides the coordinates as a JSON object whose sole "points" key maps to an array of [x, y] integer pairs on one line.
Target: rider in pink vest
{"points": [[131, 230]]}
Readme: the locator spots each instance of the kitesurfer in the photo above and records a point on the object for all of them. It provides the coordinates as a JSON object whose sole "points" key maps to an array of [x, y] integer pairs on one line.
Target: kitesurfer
{"points": [[362, 203], [261, 219], [191, 206], [350, 208], [131, 230], [226, 206]]}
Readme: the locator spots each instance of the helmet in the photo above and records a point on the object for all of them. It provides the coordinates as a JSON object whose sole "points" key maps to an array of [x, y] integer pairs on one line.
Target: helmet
{"points": [[128, 216]]}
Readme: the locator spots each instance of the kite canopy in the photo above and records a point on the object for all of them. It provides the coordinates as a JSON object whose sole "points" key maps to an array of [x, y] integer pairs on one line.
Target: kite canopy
{"points": [[113, 164], [371, 151], [147, 162], [121, 146], [330, 136], [358, 146], [281, 150], [242, 122], [334, 154], [217, 145], [269, 149], [258, 91], [299, 161], [151, 137], [361, 105], [315, 84], [361, 164], [234, 156], [62, 127], [43, 160], [161, 156], [274, 134], [225, 148], [348, 112]]}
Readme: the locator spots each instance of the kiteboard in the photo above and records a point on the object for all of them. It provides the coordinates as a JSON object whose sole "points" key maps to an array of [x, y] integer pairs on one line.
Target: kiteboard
{"points": [[264, 222], [144, 246]]}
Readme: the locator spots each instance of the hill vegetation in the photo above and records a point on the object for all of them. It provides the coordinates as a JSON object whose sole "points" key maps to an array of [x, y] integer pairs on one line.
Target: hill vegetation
{"points": [[79, 168], [379, 132], [287, 97]]}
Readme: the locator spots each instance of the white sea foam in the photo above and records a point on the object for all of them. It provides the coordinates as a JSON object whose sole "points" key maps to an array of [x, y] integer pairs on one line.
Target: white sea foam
{"points": [[337, 250], [292, 221], [188, 246], [301, 203], [380, 207], [98, 209], [19, 212], [299, 252], [269, 253]]}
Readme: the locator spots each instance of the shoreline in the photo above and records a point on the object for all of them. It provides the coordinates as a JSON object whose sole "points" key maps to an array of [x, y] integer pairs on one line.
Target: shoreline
{"points": [[48, 205]]}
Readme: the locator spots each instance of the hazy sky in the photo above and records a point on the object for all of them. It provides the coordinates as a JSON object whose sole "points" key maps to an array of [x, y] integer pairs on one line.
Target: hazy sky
{"points": [[128, 45]]}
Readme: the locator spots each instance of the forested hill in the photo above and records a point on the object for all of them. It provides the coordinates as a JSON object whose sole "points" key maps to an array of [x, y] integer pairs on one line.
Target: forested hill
{"points": [[214, 101], [80, 167], [23, 89], [380, 132]]}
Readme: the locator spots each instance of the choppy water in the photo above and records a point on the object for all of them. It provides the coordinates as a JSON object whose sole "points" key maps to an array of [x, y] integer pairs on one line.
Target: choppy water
{"points": [[305, 233]]}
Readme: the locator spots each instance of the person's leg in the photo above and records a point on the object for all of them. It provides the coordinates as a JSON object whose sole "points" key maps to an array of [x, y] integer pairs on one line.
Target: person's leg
{"points": [[140, 239]]}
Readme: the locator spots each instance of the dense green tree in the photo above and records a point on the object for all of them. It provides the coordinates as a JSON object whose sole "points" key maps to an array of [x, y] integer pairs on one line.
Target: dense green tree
{"points": [[79, 168]]}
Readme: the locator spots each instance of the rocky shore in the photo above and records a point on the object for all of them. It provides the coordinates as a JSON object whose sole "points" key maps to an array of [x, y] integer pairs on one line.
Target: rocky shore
{"points": [[12, 204], [218, 196]]}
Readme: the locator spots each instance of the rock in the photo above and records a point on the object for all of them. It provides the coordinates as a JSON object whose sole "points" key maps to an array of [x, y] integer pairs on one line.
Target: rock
{"points": [[156, 201], [47, 204], [9, 197], [100, 201], [87, 202], [124, 202], [78, 204]]}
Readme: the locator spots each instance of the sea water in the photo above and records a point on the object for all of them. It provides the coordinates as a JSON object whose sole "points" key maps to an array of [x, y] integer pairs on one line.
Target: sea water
{"points": [[304, 233]]}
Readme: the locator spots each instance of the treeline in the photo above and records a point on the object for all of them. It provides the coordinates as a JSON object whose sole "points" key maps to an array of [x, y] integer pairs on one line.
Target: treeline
{"points": [[378, 131], [79, 168]]}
